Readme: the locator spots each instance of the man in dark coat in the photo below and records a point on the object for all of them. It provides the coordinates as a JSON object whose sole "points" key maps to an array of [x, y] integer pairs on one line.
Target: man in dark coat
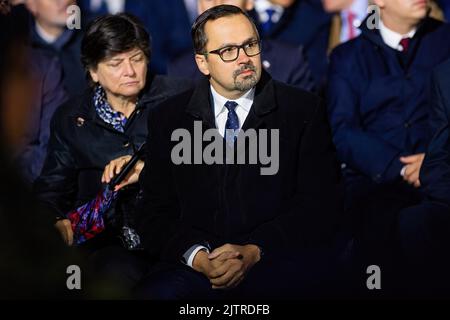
{"points": [[49, 32], [423, 229], [379, 106], [231, 226], [49, 94]]}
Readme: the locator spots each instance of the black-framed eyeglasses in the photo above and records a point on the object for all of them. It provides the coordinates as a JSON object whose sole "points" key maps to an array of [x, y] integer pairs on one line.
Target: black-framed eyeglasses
{"points": [[231, 53]]}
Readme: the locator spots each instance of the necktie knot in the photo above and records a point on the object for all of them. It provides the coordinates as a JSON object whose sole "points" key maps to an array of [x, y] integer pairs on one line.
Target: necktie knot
{"points": [[231, 105], [267, 22], [405, 44], [270, 13]]}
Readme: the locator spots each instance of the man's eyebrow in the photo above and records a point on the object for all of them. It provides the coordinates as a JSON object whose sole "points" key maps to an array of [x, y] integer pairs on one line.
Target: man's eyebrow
{"points": [[224, 45]]}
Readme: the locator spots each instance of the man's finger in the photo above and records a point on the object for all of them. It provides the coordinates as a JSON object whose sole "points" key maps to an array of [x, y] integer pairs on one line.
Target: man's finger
{"points": [[417, 183], [410, 159], [70, 237], [224, 279], [216, 252], [221, 270], [238, 277], [226, 255]]}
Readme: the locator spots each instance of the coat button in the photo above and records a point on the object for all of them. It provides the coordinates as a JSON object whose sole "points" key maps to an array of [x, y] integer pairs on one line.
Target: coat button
{"points": [[80, 122], [126, 144]]}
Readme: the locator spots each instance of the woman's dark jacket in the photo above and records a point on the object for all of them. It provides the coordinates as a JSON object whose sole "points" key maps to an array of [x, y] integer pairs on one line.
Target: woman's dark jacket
{"points": [[82, 144]]}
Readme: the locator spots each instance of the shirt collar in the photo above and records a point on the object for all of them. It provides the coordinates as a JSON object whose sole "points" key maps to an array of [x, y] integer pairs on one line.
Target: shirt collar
{"points": [[56, 43], [262, 5], [113, 6], [48, 38], [245, 101], [392, 38]]}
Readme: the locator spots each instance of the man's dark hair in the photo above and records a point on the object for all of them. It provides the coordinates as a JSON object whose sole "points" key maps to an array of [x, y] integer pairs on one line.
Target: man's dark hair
{"points": [[109, 35], [198, 34]]}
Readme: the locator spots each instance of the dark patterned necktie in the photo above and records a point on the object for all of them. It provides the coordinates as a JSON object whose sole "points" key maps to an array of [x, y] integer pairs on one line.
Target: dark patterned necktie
{"points": [[232, 124]]}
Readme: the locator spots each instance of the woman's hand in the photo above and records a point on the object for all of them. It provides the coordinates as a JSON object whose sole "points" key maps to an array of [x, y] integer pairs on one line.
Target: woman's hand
{"points": [[114, 168], [65, 229]]}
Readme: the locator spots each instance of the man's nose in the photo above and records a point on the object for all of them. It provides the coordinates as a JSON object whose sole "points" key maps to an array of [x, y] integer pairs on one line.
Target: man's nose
{"points": [[243, 58]]}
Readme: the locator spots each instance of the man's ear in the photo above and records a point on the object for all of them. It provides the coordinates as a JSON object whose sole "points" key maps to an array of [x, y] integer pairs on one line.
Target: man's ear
{"points": [[31, 6], [202, 64], [249, 5]]}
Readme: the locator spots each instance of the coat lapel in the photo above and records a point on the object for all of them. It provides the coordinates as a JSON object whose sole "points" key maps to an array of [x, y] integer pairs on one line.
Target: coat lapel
{"points": [[199, 105], [263, 104]]}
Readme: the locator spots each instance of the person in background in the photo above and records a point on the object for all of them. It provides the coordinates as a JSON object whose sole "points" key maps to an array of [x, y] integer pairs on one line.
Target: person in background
{"points": [[348, 15], [49, 32], [423, 229], [33, 259], [379, 106], [299, 23], [48, 94]]}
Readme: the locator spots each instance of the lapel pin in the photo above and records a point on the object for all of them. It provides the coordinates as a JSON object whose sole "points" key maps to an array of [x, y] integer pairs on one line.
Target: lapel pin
{"points": [[80, 121]]}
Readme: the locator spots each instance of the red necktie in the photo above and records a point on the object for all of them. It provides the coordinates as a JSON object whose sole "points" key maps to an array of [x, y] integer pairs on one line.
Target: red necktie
{"points": [[351, 28], [405, 44]]}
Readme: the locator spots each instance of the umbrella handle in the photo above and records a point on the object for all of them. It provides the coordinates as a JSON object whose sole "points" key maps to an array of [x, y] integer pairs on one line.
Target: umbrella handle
{"points": [[127, 168]]}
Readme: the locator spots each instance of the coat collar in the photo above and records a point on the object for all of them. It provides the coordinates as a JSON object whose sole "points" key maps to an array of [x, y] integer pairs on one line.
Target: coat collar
{"points": [[426, 26]]}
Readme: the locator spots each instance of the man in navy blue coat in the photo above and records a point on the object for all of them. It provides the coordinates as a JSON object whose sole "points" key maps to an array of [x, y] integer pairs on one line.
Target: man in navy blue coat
{"points": [[284, 62], [378, 107], [49, 33], [423, 229]]}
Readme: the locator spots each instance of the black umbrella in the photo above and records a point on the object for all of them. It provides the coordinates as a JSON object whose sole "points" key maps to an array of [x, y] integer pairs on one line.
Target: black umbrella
{"points": [[87, 220]]}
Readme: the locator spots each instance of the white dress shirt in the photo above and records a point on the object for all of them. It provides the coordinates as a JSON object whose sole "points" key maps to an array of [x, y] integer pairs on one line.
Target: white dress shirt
{"points": [[221, 115], [114, 6], [47, 37], [221, 112], [392, 38], [261, 7]]}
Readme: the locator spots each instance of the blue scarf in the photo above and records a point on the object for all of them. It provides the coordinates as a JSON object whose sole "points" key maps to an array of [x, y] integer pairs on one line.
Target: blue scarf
{"points": [[106, 112]]}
